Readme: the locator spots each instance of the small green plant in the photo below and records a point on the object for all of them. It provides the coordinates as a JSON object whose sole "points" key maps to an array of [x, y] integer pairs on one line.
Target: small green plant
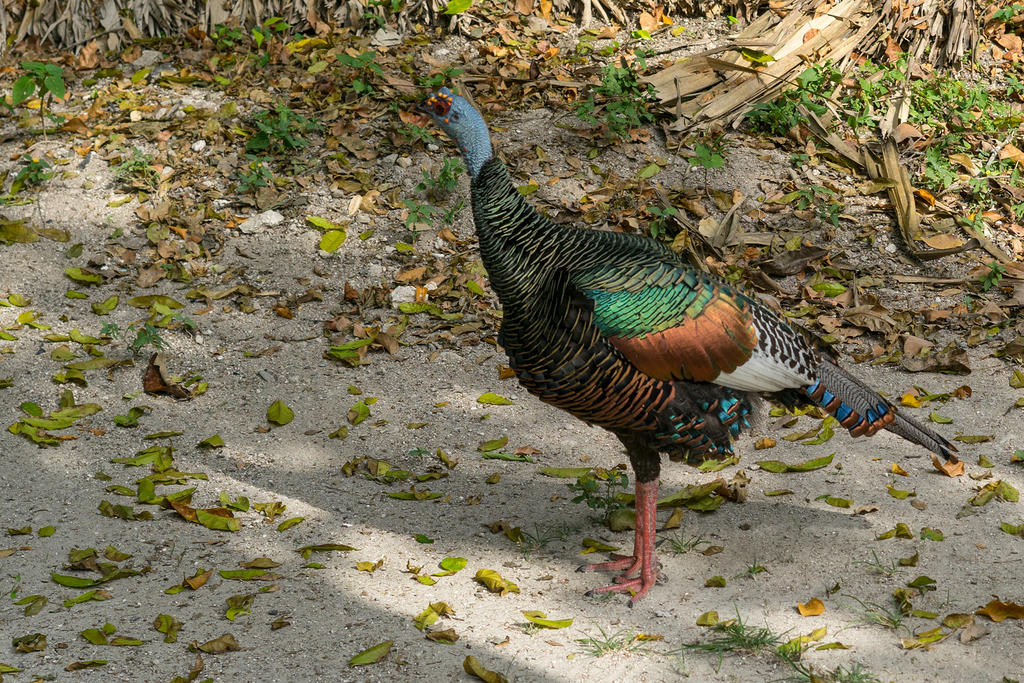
{"points": [[1008, 14], [137, 170], [386, 7], [781, 115], [34, 173], [589, 490], [752, 570], [542, 535], [937, 170], [877, 566], [1014, 88], [48, 79], [439, 186], [365, 69], [993, 277], [226, 37], [265, 33], [279, 130], [680, 546], [418, 213], [620, 641], [662, 217], [438, 79], [621, 101], [148, 333], [806, 672], [257, 176], [735, 635], [145, 335], [415, 133], [823, 200], [448, 215], [710, 154], [880, 615]]}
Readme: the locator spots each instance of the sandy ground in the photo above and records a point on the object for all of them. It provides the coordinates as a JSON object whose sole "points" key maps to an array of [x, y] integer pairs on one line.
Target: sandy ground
{"points": [[806, 546]]}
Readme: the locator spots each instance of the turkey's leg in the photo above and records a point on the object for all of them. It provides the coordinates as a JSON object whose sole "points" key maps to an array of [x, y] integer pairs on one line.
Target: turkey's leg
{"points": [[639, 570]]}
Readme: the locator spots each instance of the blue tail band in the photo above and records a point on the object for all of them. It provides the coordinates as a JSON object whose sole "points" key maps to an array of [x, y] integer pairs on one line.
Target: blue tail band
{"points": [[876, 417]]}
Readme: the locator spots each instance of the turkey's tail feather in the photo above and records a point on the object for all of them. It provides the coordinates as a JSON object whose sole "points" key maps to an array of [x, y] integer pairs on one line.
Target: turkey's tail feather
{"points": [[862, 411]]}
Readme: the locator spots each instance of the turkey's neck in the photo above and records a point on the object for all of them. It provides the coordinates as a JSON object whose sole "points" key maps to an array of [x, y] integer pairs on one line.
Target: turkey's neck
{"points": [[517, 244]]}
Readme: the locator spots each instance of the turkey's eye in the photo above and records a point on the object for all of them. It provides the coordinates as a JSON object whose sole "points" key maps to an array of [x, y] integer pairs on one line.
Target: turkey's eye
{"points": [[454, 116]]}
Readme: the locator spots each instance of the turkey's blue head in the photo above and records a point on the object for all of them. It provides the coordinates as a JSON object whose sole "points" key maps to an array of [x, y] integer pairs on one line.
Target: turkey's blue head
{"points": [[463, 124]]}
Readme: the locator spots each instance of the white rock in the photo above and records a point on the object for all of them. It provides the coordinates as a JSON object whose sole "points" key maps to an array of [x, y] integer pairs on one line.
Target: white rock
{"points": [[147, 58], [199, 145], [260, 222], [405, 294], [385, 38]]}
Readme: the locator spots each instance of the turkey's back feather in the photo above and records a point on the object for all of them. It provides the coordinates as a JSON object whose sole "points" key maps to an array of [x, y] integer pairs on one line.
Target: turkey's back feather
{"points": [[549, 331], [616, 330]]}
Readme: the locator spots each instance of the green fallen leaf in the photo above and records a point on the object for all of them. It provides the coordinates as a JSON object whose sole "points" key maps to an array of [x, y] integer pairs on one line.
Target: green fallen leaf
{"points": [[473, 667], [106, 306], [493, 444], [498, 455], [332, 240], [307, 550], [778, 467], [539, 618], [358, 413], [279, 413], [83, 276], [494, 582], [564, 472], [492, 399], [900, 531], [289, 523], [372, 655], [901, 495], [214, 441]]}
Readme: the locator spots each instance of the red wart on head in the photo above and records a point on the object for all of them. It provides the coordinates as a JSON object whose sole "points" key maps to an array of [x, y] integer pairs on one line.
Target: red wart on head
{"points": [[441, 104]]}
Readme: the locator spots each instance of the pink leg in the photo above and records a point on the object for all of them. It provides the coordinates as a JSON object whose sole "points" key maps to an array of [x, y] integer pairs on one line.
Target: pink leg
{"points": [[639, 570]]}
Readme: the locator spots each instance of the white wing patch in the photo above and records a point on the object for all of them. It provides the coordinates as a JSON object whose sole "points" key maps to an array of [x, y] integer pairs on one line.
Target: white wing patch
{"points": [[764, 373]]}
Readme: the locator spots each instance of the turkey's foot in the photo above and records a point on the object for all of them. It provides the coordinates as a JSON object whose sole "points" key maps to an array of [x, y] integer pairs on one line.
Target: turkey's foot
{"points": [[627, 564], [636, 586]]}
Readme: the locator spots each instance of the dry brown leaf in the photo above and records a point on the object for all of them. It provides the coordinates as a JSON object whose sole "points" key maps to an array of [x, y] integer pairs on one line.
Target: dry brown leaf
{"points": [[675, 521], [943, 241], [997, 610], [951, 468]]}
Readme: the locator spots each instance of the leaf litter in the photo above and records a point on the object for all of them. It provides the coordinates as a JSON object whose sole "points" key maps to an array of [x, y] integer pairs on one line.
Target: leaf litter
{"points": [[442, 314]]}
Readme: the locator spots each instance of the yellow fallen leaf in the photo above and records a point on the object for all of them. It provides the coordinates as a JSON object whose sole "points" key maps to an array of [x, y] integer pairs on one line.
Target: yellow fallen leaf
{"points": [[813, 608], [910, 399], [473, 667], [896, 469]]}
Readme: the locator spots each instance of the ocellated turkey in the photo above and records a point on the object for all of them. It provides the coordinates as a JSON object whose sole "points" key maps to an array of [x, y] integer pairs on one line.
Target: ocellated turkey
{"points": [[615, 329]]}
